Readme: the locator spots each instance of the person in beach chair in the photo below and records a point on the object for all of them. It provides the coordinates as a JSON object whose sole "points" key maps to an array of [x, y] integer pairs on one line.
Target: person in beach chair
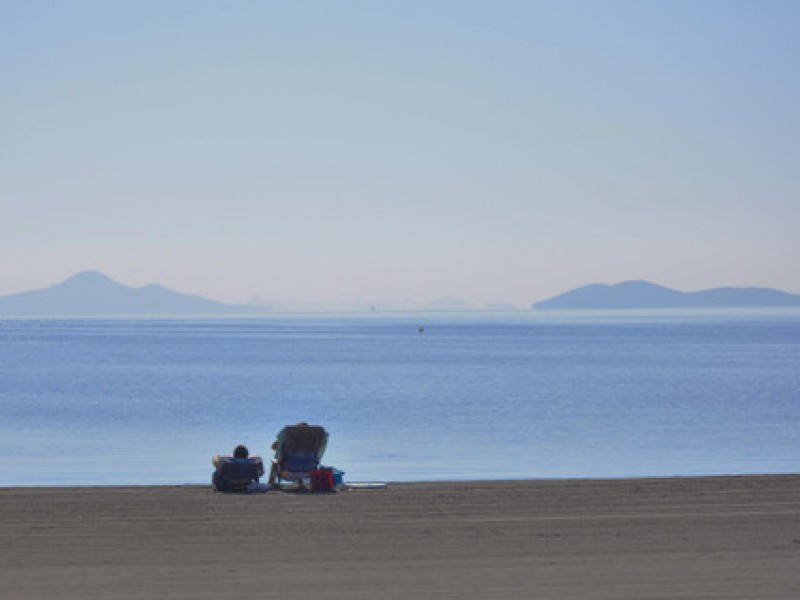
{"points": [[236, 473], [298, 450]]}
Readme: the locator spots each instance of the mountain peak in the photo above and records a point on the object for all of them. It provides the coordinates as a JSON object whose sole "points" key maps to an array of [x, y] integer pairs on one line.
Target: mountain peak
{"points": [[90, 274], [88, 277]]}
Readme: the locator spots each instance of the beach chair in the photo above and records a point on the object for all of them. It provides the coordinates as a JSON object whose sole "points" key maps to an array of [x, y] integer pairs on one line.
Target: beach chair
{"points": [[300, 452], [236, 474]]}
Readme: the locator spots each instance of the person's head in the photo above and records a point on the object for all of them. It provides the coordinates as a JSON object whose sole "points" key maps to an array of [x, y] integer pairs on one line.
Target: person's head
{"points": [[241, 452]]}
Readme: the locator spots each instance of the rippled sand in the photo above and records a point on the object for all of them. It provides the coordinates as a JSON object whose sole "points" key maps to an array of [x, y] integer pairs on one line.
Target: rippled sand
{"points": [[715, 537]]}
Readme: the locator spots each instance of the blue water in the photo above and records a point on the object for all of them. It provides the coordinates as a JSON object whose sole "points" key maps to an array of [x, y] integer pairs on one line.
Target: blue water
{"points": [[514, 395]]}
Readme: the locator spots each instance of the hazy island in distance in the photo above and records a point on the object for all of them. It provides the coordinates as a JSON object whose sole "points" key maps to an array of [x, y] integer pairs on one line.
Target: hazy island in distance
{"points": [[643, 294], [91, 293]]}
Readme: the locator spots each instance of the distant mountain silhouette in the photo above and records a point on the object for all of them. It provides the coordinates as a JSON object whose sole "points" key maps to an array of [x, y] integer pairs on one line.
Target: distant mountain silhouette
{"points": [[91, 293], [642, 294]]}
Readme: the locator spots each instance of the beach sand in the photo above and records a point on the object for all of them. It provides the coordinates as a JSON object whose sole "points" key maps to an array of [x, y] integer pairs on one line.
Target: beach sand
{"points": [[710, 537]]}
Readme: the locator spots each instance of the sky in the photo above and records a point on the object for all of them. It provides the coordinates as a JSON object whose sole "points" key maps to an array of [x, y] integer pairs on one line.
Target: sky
{"points": [[349, 151]]}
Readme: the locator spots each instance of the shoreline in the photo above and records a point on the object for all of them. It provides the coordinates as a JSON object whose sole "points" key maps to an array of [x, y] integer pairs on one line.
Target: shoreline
{"points": [[419, 482], [732, 536]]}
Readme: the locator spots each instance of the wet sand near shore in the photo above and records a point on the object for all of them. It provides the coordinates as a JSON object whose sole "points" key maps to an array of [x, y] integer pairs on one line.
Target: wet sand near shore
{"points": [[674, 538]]}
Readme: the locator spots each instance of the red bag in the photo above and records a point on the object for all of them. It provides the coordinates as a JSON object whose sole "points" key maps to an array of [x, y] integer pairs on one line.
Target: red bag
{"points": [[322, 480]]}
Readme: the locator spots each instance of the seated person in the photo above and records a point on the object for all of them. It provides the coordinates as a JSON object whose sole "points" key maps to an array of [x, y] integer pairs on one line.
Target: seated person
{"points": [[236, 472], [303, 441]]}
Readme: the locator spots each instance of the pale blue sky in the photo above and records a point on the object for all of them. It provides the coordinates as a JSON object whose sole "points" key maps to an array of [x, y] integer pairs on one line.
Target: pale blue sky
{"points": [[495, 151]]}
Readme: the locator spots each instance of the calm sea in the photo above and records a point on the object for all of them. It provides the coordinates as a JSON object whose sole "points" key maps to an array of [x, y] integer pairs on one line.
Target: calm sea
{"points": [[512, 395]]}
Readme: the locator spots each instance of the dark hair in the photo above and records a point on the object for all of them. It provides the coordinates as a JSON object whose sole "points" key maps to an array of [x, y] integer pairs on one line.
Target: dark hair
{"points": [[241, 452]]}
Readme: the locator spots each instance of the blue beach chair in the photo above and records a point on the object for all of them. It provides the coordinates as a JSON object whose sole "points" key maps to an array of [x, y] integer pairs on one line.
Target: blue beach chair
{"points": [[300, 452], [236, 474]]}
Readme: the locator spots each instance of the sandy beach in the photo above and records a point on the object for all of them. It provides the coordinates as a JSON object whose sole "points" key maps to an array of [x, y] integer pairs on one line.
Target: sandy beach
{"points": [[714, 537]]}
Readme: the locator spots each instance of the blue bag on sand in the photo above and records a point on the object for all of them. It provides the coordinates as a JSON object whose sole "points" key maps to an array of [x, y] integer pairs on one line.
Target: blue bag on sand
{"points": [[338, 478]]}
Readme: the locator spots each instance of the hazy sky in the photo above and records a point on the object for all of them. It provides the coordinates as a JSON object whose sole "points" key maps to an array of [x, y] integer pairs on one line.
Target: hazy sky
{"points": [[495, 151]]}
